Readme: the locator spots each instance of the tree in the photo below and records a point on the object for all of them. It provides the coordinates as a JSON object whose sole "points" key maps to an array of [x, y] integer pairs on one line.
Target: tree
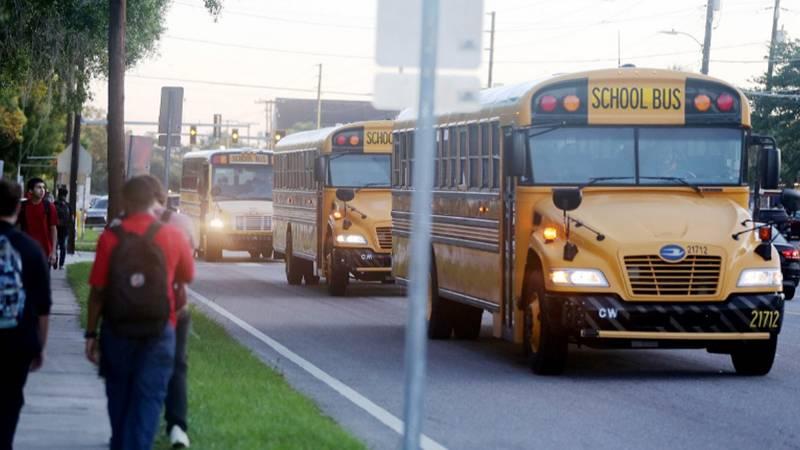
{"points": [[778, 114]]}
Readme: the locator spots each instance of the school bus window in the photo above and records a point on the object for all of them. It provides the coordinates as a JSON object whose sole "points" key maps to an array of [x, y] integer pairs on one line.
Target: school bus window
{"points": [[396, 160], [437, 157], [473, 156], [410, 155], [190, 175], [485, 156], [700, 155], [496, 155], [462, 157], [441, 175], [452, 158]]}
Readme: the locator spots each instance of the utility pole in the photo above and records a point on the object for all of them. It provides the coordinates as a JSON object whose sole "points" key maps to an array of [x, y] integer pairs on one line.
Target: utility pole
{"points": [[74, 166], [116, 105], [319, 98], [269, 106], [619, 49], [491, 49], [707, 39], [770, 64]]}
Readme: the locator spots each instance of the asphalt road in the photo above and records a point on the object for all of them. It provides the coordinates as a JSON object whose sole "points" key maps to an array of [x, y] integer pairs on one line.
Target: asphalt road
{"points": [[481, 395]]}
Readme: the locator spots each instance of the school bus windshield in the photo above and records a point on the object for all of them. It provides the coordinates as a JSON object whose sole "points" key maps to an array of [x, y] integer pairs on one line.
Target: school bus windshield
{"points": [[360, 170], [242, 182], [698, 156]]}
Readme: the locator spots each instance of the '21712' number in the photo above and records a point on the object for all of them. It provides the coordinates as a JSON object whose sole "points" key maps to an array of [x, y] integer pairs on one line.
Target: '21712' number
{"points": [[764, 319]]}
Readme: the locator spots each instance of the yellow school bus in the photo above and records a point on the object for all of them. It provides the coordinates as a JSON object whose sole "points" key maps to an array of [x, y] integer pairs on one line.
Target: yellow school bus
{"points": [[333, 204], [607, 209], [228, 194]]}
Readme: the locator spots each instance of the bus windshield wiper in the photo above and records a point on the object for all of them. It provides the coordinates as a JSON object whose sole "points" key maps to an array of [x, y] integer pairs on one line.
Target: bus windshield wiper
{"points": [[594, 180], [679, 180]]}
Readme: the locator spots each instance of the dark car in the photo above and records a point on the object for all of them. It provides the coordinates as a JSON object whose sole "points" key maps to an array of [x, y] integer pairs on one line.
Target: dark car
{"points": [[790, 263]]}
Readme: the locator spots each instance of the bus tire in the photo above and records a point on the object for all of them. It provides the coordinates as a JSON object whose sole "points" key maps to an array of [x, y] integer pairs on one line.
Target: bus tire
{"points": [[467, 324], [212, 252], [293, 266], [254, 254], [755, 358], [546, 344], [336, 275], [268, 253], [440, 310]]}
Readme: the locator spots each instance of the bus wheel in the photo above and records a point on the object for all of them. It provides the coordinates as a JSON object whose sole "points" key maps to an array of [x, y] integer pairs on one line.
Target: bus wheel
{"points": [[212, 252], [293, 267], [546, 345], [440, 311], [755, 358], [268, 253], [254, 254], [467, 324], [336, 274]]}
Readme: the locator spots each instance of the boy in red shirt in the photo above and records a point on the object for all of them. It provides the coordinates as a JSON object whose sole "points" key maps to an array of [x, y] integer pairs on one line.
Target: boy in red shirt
{"points": [[38, 218], [136, 369]]}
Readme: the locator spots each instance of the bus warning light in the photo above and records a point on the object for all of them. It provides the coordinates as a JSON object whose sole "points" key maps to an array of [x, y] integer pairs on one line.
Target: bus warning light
{"points": [[725, 102], [354, 140], [702, 103], [765, 234], [341, 140], [548, 103], [572, 103], [550, 234]]}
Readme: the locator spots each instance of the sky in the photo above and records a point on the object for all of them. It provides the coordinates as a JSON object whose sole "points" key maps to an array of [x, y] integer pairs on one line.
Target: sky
{"points": [[263, 49]]}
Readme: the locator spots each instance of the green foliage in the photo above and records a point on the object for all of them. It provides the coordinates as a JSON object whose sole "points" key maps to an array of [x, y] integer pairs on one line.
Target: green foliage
{"points": [[780, 117]]}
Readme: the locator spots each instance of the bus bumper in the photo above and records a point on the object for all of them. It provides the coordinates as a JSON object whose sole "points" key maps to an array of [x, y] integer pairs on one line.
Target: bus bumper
{"points": [[243, 242], [364, 263], [609, 322]]}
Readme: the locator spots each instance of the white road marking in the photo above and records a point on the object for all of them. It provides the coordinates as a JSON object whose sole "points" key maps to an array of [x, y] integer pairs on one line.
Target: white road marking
{"points": [[248, 264], [346, 391], [793, 313]]}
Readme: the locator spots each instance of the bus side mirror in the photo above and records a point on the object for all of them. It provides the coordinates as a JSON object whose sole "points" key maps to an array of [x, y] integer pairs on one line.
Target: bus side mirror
{"points": [[345, 195], [769, 161], [790, 199], [567, 199], [770, 167], [319, 169], [516, 153]]}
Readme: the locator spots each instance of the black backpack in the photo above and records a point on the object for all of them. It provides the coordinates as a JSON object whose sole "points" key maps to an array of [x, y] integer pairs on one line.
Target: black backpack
{"points": [[63, 212], [137, 305]]}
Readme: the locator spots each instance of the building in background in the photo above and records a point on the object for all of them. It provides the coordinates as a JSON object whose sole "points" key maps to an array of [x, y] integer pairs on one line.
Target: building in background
{"points": [[291, 112]]}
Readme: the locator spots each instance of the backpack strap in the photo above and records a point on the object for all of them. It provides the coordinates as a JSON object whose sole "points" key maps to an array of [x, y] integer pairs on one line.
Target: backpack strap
{"points": [[47, 205], [150, 234], [165, 216]]}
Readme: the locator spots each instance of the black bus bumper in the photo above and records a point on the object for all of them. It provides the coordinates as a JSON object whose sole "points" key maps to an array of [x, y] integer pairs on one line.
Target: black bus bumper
{"points": [[364, 263], [610, 322]]}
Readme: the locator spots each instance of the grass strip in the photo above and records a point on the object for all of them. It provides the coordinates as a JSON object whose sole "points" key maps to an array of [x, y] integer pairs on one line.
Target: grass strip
{"points": [[87, 242], [235, 400]]}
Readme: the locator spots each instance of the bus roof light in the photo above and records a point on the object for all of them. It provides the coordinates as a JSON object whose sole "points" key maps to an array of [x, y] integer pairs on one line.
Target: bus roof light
{"points": [[702, 103], [572, 103], [341, 139], [725, 102], [354, 140], [548, 103]]}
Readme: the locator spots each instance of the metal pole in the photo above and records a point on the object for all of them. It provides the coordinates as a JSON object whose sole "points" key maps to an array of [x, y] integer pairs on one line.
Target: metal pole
{"points": [[74, 166], [167, 148], [416, 344], [770, 64], [707, 39], [319, 98], [491, 49]]}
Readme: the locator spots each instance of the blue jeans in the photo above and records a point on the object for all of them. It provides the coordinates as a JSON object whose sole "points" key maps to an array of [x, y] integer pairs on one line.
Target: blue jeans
{"points": [[136, 372]]}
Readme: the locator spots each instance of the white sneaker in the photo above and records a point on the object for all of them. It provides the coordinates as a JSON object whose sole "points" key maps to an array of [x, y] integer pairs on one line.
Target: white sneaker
{"points": [[178, 438]]}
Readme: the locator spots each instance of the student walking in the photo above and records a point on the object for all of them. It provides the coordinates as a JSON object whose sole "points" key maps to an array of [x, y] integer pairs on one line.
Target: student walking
{"points": [[176, 405], [64, 214], [24, 311], [38, 218], [136, 264]]}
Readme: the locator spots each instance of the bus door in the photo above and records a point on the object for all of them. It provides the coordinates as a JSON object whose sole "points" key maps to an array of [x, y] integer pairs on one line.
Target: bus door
{"points": [[509, 215]]}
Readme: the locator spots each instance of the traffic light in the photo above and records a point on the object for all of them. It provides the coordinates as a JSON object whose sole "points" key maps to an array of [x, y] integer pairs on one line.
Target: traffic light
{"points": [[279, 134], [235, 136], [193, 135]]}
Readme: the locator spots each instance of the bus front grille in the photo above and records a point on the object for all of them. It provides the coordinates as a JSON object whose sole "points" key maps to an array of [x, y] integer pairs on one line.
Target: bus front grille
{"points": [[253, 223], [385, 237], [649, 275]]}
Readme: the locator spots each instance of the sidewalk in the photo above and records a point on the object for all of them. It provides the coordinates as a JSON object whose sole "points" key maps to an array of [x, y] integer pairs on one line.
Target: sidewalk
{"points": [[65, 403]]}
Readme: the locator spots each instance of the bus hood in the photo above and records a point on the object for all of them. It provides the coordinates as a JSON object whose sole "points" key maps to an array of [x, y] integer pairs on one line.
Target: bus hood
{"points": [[374, 203], [244, 207], [657, 216]]}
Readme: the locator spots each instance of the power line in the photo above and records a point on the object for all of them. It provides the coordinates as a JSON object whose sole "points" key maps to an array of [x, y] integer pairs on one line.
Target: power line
{"points": [[771, 95], [267, 49], [245, 85]]}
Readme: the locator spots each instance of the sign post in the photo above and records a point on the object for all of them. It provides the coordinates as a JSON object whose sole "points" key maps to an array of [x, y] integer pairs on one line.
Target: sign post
{"points": [[453, 40], [169, 124]]}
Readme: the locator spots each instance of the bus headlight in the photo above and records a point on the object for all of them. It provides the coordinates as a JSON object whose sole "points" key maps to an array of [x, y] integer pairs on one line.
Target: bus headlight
{"points": [[766, 277], [216, 222], [351, 239], [578, 277]]}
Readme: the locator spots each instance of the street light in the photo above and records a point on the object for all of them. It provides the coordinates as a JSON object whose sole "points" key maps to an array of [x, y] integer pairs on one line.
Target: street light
{"points": [[675, 32]]}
